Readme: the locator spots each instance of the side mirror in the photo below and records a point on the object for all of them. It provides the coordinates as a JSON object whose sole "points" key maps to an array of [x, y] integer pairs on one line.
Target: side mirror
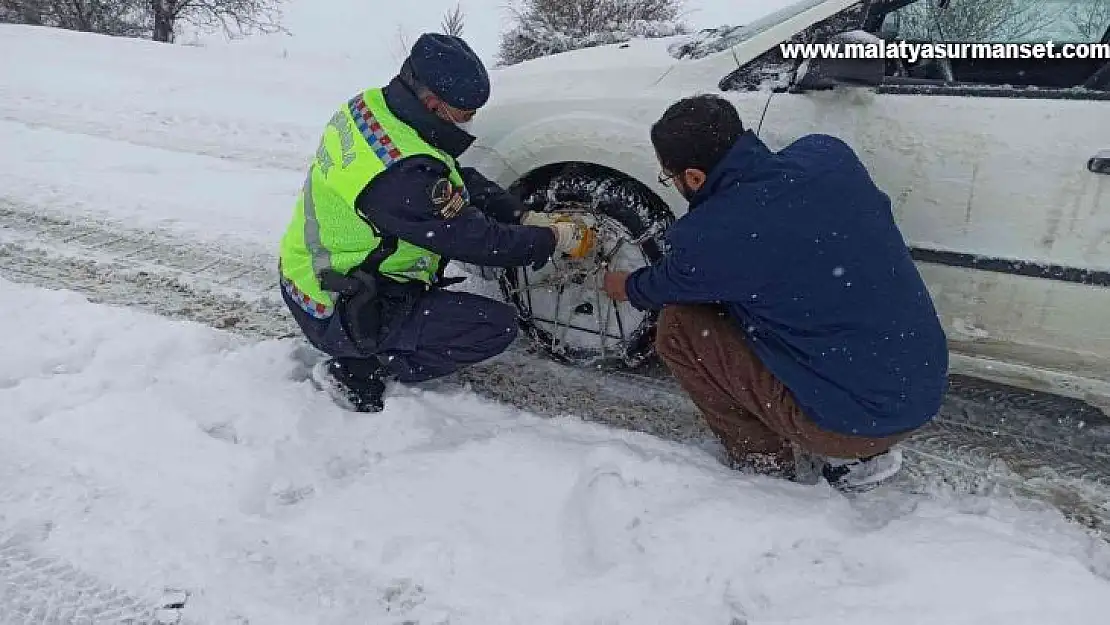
{"points": [[861, 64]]}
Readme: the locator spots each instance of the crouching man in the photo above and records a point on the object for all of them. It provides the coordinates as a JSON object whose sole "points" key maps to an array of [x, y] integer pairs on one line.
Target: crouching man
{"points": [[792, 312], [383, 208]]}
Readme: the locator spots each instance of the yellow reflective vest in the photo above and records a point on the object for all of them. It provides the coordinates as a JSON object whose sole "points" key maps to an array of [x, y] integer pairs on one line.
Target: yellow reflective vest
{"points": [[362, 140]]}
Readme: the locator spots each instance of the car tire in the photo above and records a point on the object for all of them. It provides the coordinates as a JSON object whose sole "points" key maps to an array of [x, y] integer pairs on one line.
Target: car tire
{"points": [[618, 200]]}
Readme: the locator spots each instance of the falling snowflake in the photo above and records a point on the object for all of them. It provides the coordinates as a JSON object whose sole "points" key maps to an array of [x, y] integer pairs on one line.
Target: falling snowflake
{"points": [[839, 271]]}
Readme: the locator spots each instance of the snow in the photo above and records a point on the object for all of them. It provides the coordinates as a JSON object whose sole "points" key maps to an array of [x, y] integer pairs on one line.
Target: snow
{"points": [[212, 141], [155, 453], [151, 187]]}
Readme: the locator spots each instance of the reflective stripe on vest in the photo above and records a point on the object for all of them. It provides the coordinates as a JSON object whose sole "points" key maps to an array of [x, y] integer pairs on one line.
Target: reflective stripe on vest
{"points": [[372, 131], [321, 257]]}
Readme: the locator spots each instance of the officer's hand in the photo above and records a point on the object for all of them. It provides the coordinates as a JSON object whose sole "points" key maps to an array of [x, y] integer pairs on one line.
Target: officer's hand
{"points": [[573, 238]]}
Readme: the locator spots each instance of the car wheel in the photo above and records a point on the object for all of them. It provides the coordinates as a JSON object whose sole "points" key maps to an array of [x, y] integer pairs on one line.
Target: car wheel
{"points": [[562, 306]]}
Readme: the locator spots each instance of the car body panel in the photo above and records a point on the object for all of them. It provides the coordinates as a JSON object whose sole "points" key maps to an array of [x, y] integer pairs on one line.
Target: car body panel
{"points": [[963, 171], [1003, 180]]}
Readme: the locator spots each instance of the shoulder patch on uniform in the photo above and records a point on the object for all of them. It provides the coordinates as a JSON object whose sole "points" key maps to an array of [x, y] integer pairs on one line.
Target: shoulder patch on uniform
{"points": [[447, 198], [441, 191]]}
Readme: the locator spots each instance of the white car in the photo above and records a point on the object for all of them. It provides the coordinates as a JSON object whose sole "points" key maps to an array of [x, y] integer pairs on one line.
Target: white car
{"points": [[997, 169]]}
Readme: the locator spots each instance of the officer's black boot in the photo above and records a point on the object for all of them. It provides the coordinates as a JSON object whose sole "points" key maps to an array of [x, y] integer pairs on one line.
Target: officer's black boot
{"points": [[357, 385]]}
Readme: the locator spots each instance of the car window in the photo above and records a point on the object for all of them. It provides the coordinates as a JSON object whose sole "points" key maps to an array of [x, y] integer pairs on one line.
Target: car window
{"points": [[1000, 21], [952, 24]]}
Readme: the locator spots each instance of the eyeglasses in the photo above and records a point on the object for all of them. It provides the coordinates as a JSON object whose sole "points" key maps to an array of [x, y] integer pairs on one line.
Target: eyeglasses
{"points": [[665, 178]]}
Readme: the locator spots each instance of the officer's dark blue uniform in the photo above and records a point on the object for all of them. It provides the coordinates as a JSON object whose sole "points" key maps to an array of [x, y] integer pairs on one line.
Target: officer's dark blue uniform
{"points": [[427, 334]]}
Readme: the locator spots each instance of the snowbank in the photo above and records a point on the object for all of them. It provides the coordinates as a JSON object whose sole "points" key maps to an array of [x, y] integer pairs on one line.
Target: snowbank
{"points": [[154, 453]]}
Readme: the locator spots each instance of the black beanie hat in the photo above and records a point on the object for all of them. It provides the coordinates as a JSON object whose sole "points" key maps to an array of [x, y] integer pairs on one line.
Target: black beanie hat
{"points": [[450, 69]]}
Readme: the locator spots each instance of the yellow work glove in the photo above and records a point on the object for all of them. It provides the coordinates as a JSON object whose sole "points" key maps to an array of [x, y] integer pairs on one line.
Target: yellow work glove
{"points": [[572, 236]]}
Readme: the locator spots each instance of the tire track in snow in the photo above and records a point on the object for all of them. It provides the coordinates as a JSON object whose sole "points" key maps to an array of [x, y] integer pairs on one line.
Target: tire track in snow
{"points": [[34, 589], [987, 440]]}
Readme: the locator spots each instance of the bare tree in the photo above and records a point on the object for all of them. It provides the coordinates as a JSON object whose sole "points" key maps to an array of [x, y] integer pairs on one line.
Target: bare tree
{"points": [[401, 47], [1090, 19], [22, 11], [233, 16], [453, 21], [125, 18], [545, 27], [452, 24]]}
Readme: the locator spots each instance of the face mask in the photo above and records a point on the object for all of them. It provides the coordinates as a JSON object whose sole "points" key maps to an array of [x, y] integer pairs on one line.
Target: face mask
{"points": [[446, 115]]}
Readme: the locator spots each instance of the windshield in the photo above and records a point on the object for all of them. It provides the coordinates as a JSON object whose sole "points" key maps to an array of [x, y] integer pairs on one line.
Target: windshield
{"points": [[713, 40]]}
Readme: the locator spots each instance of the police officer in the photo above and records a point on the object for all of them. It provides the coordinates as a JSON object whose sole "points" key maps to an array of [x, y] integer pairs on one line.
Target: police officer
{"points": [[383, 208]]}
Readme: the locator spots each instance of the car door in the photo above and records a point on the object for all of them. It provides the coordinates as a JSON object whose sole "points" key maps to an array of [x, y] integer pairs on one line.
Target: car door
{"points": [[996, 171]]}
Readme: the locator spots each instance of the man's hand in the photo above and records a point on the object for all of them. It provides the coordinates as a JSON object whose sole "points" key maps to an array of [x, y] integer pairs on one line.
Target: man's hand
{"points": [[615, 285]]}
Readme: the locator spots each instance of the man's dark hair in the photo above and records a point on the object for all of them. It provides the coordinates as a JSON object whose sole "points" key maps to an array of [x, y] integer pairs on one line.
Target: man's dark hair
{"points": [[696, 133]]}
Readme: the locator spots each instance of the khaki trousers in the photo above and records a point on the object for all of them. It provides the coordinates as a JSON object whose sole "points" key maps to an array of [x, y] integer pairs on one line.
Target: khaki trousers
{"points": [[752, 413]]}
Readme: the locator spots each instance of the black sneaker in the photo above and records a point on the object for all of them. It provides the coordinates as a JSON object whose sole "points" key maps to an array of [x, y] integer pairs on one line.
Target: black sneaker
{"points": [[355, 388]]}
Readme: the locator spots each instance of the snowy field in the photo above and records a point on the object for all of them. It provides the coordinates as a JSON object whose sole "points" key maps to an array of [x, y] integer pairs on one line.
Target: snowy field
{"points": [[153, 453]]}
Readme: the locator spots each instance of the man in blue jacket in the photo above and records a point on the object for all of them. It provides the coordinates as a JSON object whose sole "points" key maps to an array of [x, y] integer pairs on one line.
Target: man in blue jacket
{"points": [[792, 312]]}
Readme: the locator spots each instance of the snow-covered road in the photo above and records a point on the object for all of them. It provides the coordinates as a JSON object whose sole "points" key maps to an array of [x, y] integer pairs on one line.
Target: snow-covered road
{"points": [[149, 452]]}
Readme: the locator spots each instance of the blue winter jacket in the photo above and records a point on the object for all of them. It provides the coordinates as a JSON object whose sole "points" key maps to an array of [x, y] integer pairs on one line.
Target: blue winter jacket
{"points": [[802, 248]]}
